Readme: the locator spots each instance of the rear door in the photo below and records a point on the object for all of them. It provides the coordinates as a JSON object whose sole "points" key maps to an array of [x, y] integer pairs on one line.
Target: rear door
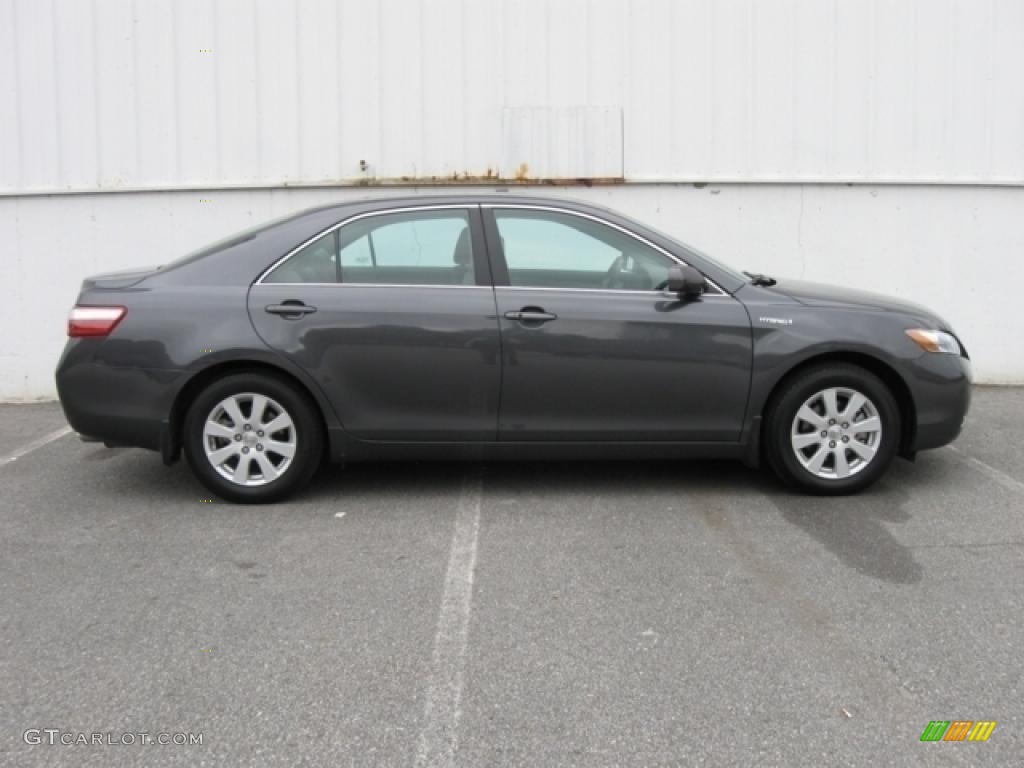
{"points": [[393, 315], [594, 350]]}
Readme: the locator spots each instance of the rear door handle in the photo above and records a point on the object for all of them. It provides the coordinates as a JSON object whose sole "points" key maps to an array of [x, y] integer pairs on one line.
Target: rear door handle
{"points": [[292, 310], [531, 315]]}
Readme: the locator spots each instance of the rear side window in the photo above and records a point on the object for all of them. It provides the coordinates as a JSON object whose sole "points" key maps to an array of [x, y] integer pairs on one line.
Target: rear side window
{"points": [[316, 262], [408, 248]]}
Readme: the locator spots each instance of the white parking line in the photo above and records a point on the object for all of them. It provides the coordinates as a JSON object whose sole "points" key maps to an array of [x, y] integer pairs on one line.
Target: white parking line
{"points": [[37, 443], [439, 735], [995, 474]]}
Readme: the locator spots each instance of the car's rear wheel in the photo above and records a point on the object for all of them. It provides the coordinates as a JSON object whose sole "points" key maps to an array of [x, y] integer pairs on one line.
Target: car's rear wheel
{"points": [[252, 438], [832, 429]]}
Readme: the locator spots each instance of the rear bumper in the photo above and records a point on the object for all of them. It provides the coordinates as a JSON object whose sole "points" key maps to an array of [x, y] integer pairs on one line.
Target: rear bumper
{"points": [[120, 406], [942, 396]]}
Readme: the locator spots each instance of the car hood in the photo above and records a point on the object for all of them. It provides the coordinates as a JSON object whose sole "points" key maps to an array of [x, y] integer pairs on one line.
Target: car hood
{"points": [[818, 295]]}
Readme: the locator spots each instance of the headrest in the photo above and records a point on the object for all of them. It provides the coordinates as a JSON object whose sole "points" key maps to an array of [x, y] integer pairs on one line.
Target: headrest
{"points": [[463, 253]]}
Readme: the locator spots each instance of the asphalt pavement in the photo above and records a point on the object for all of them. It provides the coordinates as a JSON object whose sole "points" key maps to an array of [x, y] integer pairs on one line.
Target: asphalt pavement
{"points": [[563, 614]]}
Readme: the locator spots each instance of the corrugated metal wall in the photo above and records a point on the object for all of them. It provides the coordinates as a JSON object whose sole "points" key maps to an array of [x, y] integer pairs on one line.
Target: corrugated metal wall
{"points": [[157, 94]]}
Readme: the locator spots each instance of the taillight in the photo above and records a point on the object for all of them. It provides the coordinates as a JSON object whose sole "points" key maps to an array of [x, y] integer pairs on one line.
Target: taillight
{"points": [[94, 321]]}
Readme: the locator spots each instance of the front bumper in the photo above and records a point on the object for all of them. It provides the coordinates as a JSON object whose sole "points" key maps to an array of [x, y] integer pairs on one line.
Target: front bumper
{"points": [[941, 387]]}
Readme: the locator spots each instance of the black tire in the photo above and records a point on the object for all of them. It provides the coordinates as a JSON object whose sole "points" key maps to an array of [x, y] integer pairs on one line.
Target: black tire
{"points": [[308, 438], [794, 393]]}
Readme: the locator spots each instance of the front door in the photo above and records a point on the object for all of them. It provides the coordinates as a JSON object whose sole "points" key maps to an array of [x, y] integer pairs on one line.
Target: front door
{"points": [[393, 315], [595, 350]]}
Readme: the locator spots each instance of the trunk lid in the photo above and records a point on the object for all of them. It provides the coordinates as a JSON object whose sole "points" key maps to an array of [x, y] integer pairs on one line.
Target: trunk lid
{"points": [[108, 281]]}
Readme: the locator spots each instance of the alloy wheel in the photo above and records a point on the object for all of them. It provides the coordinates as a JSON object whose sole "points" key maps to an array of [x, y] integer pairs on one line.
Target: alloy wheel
{"points": [[836, 433], [249, 439]]}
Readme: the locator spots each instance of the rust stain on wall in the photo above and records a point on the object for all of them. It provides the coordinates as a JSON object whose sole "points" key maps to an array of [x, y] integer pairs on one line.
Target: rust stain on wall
{"points": [[488, 177], [491, 175]]}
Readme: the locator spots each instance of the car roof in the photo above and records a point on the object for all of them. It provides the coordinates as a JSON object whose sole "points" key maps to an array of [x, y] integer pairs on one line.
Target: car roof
{"points": [[370, 203]]}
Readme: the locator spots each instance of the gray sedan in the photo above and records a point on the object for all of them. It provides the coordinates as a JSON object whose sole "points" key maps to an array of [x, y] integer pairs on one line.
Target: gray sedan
{"points": [[498, 326]]}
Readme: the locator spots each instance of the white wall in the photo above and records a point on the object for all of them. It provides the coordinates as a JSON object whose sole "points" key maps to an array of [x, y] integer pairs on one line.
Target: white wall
{"points": [[956, 249], [143, 108]]}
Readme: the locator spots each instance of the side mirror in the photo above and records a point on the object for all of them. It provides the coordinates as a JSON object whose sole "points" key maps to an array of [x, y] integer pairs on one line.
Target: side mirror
{"points": [[686, 281]]}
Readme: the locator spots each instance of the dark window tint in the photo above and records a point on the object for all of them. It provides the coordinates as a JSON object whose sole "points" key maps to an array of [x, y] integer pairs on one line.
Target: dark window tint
{"points": [[316, 262], [544, 249]]}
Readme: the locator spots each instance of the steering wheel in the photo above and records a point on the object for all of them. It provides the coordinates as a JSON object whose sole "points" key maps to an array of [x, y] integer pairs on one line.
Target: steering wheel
{"points": [[661, 286], [635, 279], [626, 273], [613, 277]]}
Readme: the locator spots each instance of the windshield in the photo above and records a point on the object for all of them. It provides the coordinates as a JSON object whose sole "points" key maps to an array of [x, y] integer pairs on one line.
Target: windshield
{"points": [[697, 252]]}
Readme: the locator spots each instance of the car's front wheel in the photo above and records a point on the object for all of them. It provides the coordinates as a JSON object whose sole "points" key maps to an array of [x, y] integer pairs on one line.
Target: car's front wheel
{"points": [[832, 429], [252, 438]]}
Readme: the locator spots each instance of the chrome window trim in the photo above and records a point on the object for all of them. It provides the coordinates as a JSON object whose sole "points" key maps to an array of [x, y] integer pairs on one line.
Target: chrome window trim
{"points": [[666, 293], [721, 293], [651, 292], [355, 217], [605, 222], [382, 285]]}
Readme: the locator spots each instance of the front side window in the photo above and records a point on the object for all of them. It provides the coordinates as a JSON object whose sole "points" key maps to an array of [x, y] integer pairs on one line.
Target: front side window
{"points": [[407, 248], [545, 249]]}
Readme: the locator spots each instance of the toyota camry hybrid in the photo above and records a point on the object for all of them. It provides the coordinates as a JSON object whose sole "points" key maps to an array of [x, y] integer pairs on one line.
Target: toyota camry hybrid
{"points": [[496, 326]]}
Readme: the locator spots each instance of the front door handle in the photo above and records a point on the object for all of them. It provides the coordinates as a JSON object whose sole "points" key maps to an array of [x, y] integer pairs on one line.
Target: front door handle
{"points": [[531, 316], [290, 310]]}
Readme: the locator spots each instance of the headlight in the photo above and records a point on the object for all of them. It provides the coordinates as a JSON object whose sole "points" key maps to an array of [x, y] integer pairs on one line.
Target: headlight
{"points": [[935, 341]]}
